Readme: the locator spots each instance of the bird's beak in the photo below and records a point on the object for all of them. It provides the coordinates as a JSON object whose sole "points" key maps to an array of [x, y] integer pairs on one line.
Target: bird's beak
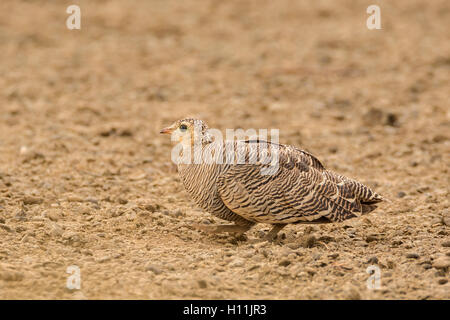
{"points": [[167, 130]]}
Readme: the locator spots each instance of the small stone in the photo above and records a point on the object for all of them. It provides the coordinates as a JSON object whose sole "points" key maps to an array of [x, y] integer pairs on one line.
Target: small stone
{"points": [[25, 238], [236, 263], [441, 263], [137, 176], [284, 263], [153, 268], [412, 255], [373, 117], [440, 273], [266, 253], [309, 241], [57, 231], [333, 255], [51, 214], [371, 237], [361, 244], [103, 259], [178, 213], [152, 208], [373, 260], [446, 221], [21, 215], [391, 120], [122, 201], [32, 200], [5, 227], [254, 267], [260, 234], [310, 271], [390, 264], [202, 284], [294, 245], [446, 244], [427, 266], [11, 276], [401, 194], [442, 281]]}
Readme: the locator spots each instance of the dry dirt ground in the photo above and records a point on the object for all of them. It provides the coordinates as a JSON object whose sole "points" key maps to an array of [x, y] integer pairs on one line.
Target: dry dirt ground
{"points": [[86, 179]]}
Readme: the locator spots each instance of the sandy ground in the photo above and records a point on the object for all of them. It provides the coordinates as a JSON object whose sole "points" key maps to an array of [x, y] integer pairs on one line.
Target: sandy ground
{"points": [[86, 179]]}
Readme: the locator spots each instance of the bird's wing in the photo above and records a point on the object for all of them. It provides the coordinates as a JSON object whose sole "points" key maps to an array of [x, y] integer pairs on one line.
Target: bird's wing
{"points": [[301, 190]]}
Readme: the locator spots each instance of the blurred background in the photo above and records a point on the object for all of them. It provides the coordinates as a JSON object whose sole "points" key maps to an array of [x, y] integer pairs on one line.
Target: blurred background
{"points": [[86, 179]]}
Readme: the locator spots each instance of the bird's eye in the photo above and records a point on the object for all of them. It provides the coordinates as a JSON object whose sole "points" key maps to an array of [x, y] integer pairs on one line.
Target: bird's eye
{"points": [[183, 127]]}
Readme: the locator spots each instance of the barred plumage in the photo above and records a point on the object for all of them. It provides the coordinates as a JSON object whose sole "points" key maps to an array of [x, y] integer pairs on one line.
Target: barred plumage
{"points": [[301, 190]]}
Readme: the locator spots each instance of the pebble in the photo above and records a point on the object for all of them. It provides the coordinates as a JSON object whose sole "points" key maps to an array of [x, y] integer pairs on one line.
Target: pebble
{"points": [[390, 264], [446, 221], [284, 263], [442, 281], [310, 271], [266, 253], [294, 245], [260, 234], [152, 208], [373, 116], [372, 237], [412, 255], [25, 238], [57, 231], [309, 241], [150, 267], [51, 214], [253, 267], [236, 263], [373, 260], [441, 263], [401, 194], [11, 275], [178, 213], [5, 227], [446, 244], [103, 259], [202, 284], [32, 200], [427, 266]]}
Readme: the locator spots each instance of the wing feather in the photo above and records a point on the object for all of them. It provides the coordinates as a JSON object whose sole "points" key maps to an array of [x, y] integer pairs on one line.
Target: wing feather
{"points": [[301, 190]]}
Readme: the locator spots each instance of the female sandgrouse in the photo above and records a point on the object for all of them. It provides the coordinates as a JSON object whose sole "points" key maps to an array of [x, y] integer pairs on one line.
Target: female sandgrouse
{"points": [[298, 190]]}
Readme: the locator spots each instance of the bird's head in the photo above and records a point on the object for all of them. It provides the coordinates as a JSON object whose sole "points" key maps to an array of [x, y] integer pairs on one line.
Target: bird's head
{"points": [[188, 131]]}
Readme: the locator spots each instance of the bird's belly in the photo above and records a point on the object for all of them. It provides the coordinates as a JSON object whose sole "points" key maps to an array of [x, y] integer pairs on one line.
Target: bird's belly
{"points": [[199, 181]]}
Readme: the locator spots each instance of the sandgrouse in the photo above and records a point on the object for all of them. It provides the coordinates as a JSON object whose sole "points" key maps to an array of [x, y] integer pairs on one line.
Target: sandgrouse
{"points": [[299, 190]]}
